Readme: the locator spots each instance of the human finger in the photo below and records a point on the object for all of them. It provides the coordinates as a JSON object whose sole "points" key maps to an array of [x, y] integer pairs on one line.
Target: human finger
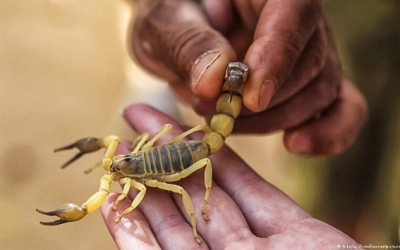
{"points": [[168, 224], [225, 217], [335, 130], [283, 31], [126, 238], [133, 231], [271, 213], [265, 207], [221, 14], [306, 104], [234, 176], [310, 64], [224, 214], [280, 216], [170, 227], [173, 39]]}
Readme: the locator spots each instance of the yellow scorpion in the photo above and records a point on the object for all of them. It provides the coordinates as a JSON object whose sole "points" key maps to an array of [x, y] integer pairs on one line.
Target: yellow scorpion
{"points": [[159, 166]]}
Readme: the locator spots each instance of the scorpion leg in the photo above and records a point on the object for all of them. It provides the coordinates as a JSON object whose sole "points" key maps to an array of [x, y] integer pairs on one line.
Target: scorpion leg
{"points": [[207, 180], [139, 197], [111, 143], [71, 212], [187, 202], [97, 165], [126, 182], [165, 129], [202, 127], [139, 141]]}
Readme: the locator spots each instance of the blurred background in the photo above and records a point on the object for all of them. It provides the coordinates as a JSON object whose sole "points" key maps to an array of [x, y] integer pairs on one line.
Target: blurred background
{"points": [[65, 73]]}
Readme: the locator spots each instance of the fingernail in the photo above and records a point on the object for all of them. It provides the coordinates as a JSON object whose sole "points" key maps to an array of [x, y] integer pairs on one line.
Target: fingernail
{"points": [[202, 64], [266, 92], [122, 114], [121, 111], [300, 144]]}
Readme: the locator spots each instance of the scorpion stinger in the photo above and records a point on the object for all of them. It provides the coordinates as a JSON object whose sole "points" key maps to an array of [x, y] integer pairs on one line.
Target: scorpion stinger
{"points": [[159, 166], [236, 74]]}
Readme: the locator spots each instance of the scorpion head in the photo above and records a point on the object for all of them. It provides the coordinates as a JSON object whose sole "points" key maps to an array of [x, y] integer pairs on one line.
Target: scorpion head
{"points": [[130, 165]]}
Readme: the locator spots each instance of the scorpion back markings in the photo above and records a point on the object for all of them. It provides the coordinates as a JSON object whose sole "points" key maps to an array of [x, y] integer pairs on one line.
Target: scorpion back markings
{"points": [[159, 166]]}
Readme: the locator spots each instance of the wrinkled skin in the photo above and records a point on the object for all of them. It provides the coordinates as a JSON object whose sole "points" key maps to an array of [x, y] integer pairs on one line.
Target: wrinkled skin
{"points": [[296, 83], [245, 211]]}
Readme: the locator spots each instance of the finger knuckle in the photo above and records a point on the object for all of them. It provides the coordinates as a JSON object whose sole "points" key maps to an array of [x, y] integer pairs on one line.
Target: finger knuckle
{"points": [[180, 43], [290, 45]]}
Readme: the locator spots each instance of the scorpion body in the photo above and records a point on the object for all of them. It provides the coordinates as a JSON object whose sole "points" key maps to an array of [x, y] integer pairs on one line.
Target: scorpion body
{"points": [[161, 161], [161, 165]]}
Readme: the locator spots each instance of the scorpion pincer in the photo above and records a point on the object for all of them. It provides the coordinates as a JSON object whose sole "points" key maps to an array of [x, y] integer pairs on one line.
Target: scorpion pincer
{"points": [[148, 166]]}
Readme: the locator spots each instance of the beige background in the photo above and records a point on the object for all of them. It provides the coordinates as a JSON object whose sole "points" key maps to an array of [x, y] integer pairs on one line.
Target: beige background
{"points": [[64, 75]]}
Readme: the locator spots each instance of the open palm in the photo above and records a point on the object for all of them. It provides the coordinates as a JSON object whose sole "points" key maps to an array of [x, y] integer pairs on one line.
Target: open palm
{"points": [[245, 211]]}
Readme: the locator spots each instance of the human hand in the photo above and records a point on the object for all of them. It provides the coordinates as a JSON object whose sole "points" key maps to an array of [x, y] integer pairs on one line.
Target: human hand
{"points": [[245, 211], [295, 82]]}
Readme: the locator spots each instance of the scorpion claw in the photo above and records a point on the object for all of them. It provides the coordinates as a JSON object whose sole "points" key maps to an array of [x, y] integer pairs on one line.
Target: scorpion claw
{"points": [[85, 145], [67, 213], [76, 157], [52, 223]]}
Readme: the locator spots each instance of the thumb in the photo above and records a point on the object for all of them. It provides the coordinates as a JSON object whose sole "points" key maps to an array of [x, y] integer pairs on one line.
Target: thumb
{"points": [[173, 39]]}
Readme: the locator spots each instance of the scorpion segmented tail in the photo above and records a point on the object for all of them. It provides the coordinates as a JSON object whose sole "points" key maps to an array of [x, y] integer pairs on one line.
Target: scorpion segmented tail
{"points": [[228, 106]]}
